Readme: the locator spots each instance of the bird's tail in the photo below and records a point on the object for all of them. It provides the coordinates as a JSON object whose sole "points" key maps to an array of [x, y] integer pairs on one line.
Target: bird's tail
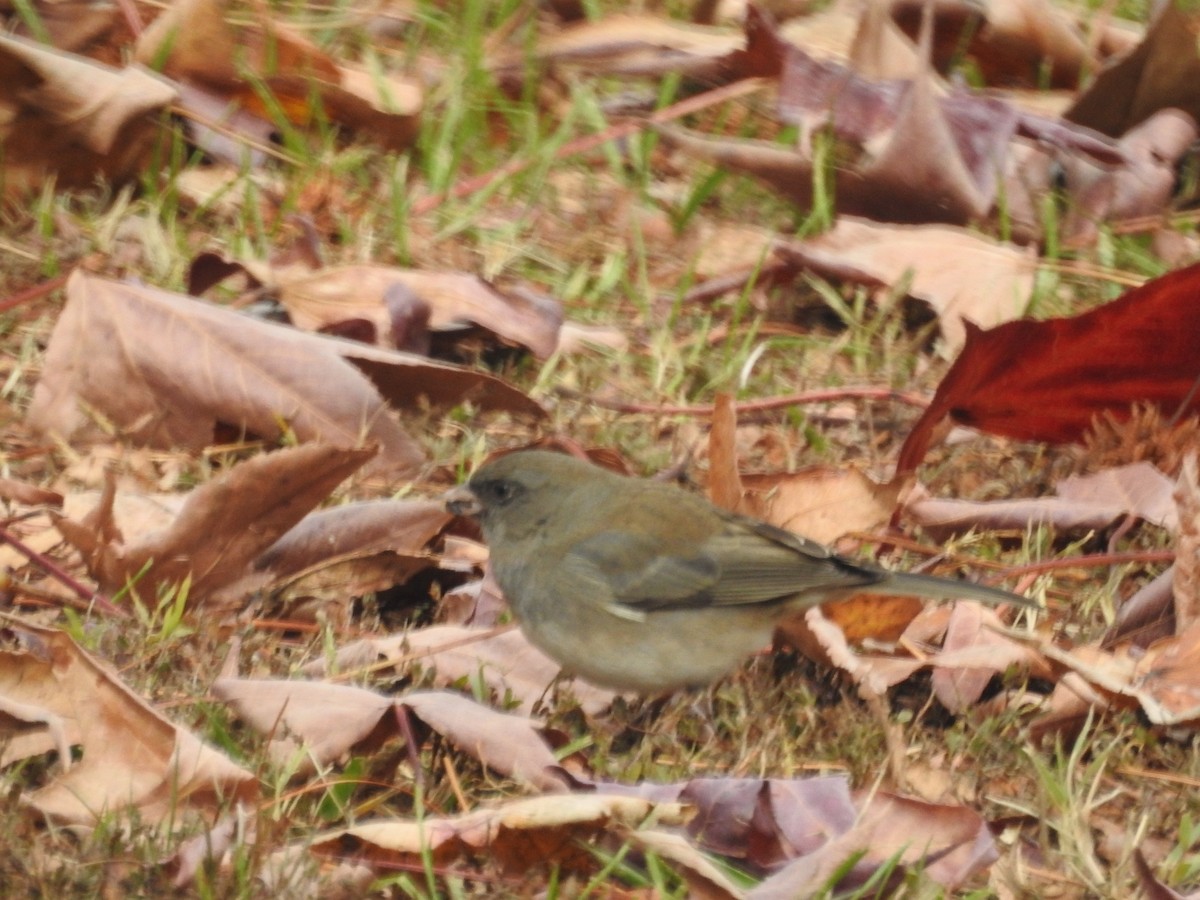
{"points": [[947, 589]]}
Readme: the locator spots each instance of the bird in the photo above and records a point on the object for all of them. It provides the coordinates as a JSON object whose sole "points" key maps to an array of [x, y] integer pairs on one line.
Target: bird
{"points": [[641, 586]]}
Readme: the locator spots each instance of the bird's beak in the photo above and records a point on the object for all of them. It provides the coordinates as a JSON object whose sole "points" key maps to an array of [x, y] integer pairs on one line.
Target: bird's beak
{"points": [[461, 501]]}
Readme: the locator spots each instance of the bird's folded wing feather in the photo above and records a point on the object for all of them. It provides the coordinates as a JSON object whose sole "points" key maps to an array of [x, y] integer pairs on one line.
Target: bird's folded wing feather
{"points": [[642, 576], [738, 565], [758, 568]]}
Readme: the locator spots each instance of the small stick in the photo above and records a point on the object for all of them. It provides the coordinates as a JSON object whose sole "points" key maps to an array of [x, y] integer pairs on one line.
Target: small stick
{"points": [[752, 406], [51, 568]]}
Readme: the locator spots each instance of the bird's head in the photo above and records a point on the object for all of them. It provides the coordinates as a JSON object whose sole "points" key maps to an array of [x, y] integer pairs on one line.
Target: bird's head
{"points": [[516, 495]]}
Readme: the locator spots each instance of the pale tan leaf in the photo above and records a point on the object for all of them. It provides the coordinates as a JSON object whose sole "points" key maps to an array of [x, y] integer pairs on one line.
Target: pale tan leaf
{"points": [[518, 835], [505, 661], [960, 274], [329, 721], [880, 49], [819, 502], [1083, 502], [875, 673], [329, 296], [972, 629], [132, 756], [704, 880], [631, 45], [575, 337], [510, 744]]}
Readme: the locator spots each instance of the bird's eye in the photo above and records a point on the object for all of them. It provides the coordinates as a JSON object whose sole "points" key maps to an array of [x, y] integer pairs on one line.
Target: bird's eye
{"points": [[502, 491]]}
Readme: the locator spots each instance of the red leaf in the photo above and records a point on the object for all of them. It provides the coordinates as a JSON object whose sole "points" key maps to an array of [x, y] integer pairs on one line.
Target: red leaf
{"points": [[1047, 380]]}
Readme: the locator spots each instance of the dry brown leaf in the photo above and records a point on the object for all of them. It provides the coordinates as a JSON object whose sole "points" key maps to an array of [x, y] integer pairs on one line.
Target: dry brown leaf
{"points": [[1162, 71], [223, 188], [518, 836], [862, 617], [334, 556], [774, 821], [960, 274], [971, 627], [15, 491], [506, 662], [320, 299], [880, 49], [1138, 489], [762, 821], [129, 512], [222, 527], [326, 721], [78, 26], [408, 381], [510, 744], [820, 502], [73, 118], [575, 337], [629, 45], [1069, 707], [1143, 186], [937, 153], [1011, 42], [907, 150], [383, 107], [875, 673], [183, 37], [1149, 614], [229, 135], [1092, 501], [355, 530], [1164, 679], [265, 53], [1152, 888], [948, 843], [132, 756], [211, 844], [330, 721], [169, 369]]}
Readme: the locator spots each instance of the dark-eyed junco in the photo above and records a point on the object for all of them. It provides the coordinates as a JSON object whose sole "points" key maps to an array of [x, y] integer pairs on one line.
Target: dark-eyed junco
{"points": [[638, 585]]}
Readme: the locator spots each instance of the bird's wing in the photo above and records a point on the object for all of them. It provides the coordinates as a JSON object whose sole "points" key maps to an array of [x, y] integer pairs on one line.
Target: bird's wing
{"points": [[746, 562], [761, 563], [641, 576]]}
